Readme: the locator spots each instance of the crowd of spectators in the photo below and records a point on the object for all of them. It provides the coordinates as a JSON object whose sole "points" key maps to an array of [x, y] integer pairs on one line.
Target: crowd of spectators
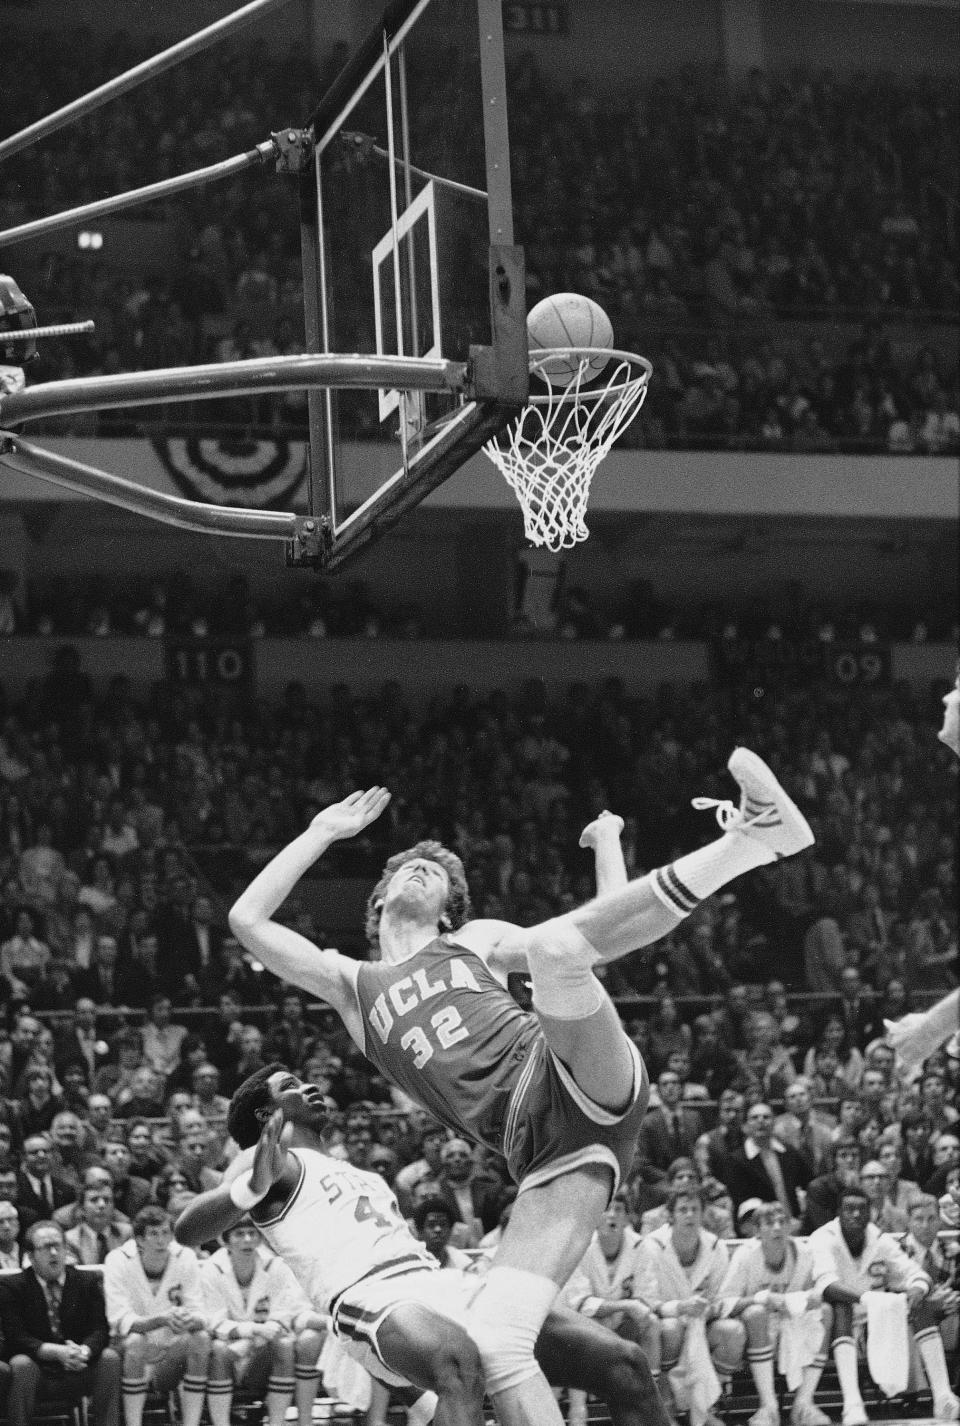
{"points": [[130, 1015], [172, 607], [105, 800], [685, 203]]}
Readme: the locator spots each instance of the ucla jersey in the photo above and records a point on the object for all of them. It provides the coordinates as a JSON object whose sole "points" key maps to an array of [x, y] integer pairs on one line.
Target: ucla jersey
{"points": [[443, 1028], [341, 1224]]}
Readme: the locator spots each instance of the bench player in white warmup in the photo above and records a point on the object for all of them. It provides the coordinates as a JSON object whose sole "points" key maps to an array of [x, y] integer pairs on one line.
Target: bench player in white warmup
{"points": [[559, 1093]]}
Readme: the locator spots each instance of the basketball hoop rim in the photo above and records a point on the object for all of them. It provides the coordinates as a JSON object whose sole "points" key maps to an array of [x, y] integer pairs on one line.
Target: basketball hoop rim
{"points": [[573, 391]]}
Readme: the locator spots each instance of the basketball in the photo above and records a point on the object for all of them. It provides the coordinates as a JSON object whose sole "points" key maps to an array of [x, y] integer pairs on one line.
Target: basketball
{"points": [[568, 319]]}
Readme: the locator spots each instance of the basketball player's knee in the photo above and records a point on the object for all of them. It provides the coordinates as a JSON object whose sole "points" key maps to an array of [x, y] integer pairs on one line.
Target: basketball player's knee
{"points": [[561, 961], [728, 1341], [628, 1380], [308, 1345], [457, 1368], [221, 1361], [505, 1319], [754, 1318], [134, 1349], [198, 1350]]}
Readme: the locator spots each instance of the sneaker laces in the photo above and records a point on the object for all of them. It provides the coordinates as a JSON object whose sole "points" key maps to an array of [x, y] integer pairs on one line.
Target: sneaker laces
{"points": [[728, 815]]}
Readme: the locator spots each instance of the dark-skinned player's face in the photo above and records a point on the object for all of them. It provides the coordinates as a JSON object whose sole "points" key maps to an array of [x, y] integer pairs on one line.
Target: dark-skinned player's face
{"points": [[301, 1103], [854, 1215]]}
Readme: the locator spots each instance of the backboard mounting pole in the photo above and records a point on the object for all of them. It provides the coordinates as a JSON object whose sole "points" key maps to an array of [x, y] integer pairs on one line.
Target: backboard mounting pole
{"points": [[494, 76]]}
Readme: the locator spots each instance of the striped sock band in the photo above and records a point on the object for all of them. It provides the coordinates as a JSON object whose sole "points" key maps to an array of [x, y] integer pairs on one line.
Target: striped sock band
{"points": [[281, 1384], [760, 1354], [306, 1373], [671, 891]]}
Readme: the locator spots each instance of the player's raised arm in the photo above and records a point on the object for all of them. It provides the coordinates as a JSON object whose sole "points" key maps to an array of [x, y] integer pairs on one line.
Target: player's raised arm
{"points": [[248, 1180], [287, 954]]}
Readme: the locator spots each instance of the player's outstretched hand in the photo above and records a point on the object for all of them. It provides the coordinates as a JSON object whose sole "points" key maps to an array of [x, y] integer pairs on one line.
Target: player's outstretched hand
{"points": [[270, 1155], [608, 824], [347, 818]]}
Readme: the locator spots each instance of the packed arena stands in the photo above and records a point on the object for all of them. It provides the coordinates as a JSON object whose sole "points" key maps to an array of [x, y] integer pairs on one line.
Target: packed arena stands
{"points": [[127, 827], [762, 211]]}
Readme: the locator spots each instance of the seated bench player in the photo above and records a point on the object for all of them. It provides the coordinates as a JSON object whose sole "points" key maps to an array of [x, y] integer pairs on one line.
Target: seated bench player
{"points": [[851, 1257], [157, 1317], [922, 1244], [266, 1336], [603, 1286], [680, 1270], [769, 1288]]}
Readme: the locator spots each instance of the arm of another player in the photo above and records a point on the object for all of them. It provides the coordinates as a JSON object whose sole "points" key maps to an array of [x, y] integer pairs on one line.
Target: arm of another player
{"points": [[252, 1173], [917, 1036], [503, 946], [287, 954]]}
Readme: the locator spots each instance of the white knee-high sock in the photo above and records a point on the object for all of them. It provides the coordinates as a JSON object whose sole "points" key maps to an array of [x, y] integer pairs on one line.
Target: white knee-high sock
{"points": [[845, 1356], [278, 1398], [219, 1402], [683, 884], [761, 1369], [305, 1392], [930, 1346], [193, 1391], [134, 1396]]}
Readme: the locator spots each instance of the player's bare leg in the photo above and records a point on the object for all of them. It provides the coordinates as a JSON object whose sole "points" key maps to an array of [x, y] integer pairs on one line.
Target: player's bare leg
{"points": [[436, 1354], [549, 1231], [765, 827]]}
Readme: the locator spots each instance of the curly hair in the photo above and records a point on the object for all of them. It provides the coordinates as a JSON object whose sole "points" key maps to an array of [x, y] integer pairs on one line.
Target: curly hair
{"points": [[249, 1098], [457, 910]]}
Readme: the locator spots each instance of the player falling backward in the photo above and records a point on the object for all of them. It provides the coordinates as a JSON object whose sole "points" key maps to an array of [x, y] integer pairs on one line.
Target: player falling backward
{"points": [[918, 1035], [560, 1093], [393, 1308]]}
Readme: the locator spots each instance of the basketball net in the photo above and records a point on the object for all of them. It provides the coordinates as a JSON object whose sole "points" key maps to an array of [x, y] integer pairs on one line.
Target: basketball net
{"points": [[549, 455]]}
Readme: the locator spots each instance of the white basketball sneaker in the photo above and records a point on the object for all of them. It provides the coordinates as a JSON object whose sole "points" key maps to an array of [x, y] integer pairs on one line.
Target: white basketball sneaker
{"points": [[765, 813]]}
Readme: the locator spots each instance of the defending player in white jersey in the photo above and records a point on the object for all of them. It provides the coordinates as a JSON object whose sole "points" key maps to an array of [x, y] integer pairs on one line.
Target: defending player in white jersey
{"points": [[266, 1336], [341, 1232]]}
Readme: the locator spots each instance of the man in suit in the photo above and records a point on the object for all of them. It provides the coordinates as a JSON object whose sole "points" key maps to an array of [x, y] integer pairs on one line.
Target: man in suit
{"points": [[858, 1009], [55, 1327], [202, 944], [475, 1195], [100, 982], [766, 1167], [39, 1190], [670, 1131], [99, 1228], [10, 1193], [77, 1039], [916, 1130], [803, 1127], [726, 1139], [823, 1192]]}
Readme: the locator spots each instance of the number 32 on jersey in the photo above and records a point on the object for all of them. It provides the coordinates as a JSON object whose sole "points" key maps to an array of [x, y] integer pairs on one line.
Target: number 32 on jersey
{"points": [[411, 992]]}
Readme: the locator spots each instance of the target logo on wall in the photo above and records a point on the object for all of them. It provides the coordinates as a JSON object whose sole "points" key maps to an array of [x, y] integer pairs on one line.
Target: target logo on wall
{"points": [[254, 474]]}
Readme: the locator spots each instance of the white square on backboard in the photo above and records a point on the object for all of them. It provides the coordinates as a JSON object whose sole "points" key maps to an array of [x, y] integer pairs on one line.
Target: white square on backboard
{"points": [[423, 204]]}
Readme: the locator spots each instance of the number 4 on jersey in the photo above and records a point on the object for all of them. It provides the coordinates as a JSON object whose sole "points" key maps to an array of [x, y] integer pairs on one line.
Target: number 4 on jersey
{"points": [[365, 1212]]}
